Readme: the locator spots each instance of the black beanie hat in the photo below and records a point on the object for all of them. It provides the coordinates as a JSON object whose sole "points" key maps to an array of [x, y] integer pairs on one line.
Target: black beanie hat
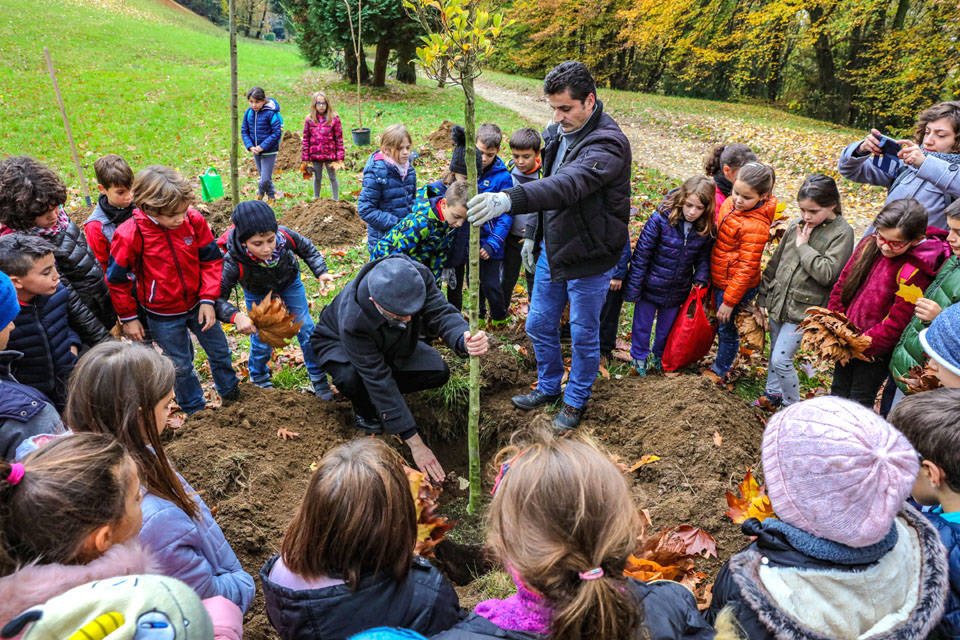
{"points": [[252, 217], [458, 161]]}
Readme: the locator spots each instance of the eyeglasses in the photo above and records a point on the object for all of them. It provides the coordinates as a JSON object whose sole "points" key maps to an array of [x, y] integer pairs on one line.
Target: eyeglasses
{"points": [[893, 244], [321, 103]]}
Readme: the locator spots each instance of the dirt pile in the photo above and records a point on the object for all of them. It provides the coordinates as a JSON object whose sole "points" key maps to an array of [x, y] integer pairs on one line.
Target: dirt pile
{"points": [[329, 223], [288, 157], [217, 214], [440, 139], [253, 480], [80, 215]]}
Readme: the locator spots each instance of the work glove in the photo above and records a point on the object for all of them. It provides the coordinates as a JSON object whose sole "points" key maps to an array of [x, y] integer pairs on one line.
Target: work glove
{"points": [[449, 276], [484, 207], [526, 255]]}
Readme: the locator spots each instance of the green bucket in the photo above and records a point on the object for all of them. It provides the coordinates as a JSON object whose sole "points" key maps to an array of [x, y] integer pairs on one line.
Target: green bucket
{"points": [[211, 186]]}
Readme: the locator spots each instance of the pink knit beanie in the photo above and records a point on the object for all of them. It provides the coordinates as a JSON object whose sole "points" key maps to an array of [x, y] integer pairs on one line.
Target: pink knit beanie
{"points": [[837, 470]]}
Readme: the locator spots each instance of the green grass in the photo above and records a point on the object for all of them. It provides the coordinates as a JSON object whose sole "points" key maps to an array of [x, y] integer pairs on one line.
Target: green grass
{"points": [[151, 82]]}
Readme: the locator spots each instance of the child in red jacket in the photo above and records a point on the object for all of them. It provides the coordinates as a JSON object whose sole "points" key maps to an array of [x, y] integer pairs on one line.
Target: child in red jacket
{"points": [[902, 254], [166, 251], [323, 144]]}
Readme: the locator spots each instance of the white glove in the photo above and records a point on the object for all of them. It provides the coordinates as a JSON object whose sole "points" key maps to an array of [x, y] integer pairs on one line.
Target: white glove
{"points": [[527, 257], [484, 207]]}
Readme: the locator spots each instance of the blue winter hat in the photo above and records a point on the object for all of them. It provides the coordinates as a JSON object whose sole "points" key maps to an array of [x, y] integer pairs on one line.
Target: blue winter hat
{"points": [[386, 633], [396, 285], [9, 306], [252, 217], [941, 340]]}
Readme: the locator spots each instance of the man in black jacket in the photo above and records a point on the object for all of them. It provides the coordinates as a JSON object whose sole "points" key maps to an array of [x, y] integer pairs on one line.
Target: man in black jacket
{"points": [[368, 340], [584, 204]]}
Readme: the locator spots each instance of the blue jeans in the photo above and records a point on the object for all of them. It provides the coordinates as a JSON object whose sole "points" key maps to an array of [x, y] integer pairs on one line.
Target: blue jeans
{"points": [[295, 297], [265, 169], [586, 296], [644, 314], [172, 335], [728, 338]]}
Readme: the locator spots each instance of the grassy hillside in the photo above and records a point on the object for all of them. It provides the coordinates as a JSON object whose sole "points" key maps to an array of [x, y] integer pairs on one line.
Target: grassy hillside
{"points": [[150, 81]]}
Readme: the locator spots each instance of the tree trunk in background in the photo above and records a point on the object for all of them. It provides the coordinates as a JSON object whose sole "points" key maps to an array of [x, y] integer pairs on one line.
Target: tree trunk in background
{"points": [[903, 7], [350, 64], [406, 69], [380, 63], [263, 18]]}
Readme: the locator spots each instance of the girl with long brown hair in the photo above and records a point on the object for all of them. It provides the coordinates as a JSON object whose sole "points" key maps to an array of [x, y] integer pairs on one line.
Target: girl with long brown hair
{"points": [[671, 254], [347, 562], [563, 523], [323, 143], [902, 254], [125, 390]]}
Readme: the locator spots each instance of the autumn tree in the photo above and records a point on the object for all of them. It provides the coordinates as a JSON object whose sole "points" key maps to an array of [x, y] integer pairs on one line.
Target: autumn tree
{"points": [[460, 36]]}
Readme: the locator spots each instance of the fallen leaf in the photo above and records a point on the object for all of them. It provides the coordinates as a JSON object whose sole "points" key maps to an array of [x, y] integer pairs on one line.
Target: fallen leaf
{"points": [[751, 503], [431, 528], [645, 460], [832, 337], [717, 438], [604, 373], [285, 434]]}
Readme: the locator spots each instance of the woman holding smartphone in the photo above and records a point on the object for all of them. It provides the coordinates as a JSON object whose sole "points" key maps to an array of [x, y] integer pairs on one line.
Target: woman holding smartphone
{"points": [[925, 167]]}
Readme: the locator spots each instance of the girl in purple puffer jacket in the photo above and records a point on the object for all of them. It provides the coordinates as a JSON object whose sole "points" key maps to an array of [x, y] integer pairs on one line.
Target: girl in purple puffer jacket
{"points": [[672, 252], [323, 143]]}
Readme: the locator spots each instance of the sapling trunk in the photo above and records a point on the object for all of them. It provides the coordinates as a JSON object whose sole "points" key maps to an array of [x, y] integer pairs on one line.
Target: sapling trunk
{"points": [[473, 290], [234, 115]]}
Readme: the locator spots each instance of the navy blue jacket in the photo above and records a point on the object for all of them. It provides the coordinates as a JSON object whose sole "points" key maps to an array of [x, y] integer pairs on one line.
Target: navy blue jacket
{"points": [[385, 197], [493, 235], [665, 262], [258, 279], [670, 613], [80, 270], [24, 411], [584, 206], [950, 537], [424, 602], [44, 331], [263, 128]]}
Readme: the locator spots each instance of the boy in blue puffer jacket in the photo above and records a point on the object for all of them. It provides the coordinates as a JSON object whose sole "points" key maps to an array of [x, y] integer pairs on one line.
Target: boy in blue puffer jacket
{"points": [[931, 422], [261, 131], [52, 324], [672, 253], [492, 176], [389, 184]]}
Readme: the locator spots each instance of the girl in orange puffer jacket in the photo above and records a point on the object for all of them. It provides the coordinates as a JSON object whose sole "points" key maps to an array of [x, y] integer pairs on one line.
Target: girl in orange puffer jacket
{"points": [[742, 231]]}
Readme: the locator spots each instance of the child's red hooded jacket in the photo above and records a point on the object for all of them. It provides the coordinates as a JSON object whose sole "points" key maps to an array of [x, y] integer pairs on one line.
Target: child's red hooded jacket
{"points": [[173, 270], [741, 237], [875, 308]]}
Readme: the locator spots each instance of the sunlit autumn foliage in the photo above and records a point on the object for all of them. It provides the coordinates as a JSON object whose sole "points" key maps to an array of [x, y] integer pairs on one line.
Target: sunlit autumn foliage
{"points": [[751, 503]]}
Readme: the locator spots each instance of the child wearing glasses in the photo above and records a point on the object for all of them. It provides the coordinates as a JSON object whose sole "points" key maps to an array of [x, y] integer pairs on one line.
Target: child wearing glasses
{"points": [[902, 254], [322, 144]]}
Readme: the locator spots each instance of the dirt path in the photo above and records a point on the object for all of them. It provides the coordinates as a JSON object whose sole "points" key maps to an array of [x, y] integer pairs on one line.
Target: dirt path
{"points": [[651, 149]]}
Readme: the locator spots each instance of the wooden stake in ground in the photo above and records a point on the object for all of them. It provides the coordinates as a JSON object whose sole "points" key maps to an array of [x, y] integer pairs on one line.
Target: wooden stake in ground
{"points": [[460, 37], [234, 116], [66, 125]]}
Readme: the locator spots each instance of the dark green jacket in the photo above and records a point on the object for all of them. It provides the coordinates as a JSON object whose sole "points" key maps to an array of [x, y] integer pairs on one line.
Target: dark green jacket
{"points": [[797, 278], [945, 291]]}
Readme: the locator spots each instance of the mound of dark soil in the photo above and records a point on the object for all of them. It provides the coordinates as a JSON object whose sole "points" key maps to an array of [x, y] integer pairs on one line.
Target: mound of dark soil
{"points": [[329, 223], [288, 157], [440, 139], [217, 214]]}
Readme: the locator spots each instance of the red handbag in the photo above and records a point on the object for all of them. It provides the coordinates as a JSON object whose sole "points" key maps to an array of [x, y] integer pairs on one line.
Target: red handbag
{"points": [[692, 334]]}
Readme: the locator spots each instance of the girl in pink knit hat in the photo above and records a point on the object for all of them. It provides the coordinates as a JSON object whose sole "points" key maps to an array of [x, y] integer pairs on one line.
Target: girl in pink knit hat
{"points": [[846, 557]]}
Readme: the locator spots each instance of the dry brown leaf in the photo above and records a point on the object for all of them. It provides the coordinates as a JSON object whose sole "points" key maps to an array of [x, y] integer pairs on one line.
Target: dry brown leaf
{"points": [[431, 528], [285, 434], [275, 324], [717, 438], [752, 327], [832, 337], [645, 460], [920, 378]]}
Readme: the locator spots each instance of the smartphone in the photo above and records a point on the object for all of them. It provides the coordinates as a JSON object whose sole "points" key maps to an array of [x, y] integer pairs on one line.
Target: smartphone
{"points": [[887, 161]]}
